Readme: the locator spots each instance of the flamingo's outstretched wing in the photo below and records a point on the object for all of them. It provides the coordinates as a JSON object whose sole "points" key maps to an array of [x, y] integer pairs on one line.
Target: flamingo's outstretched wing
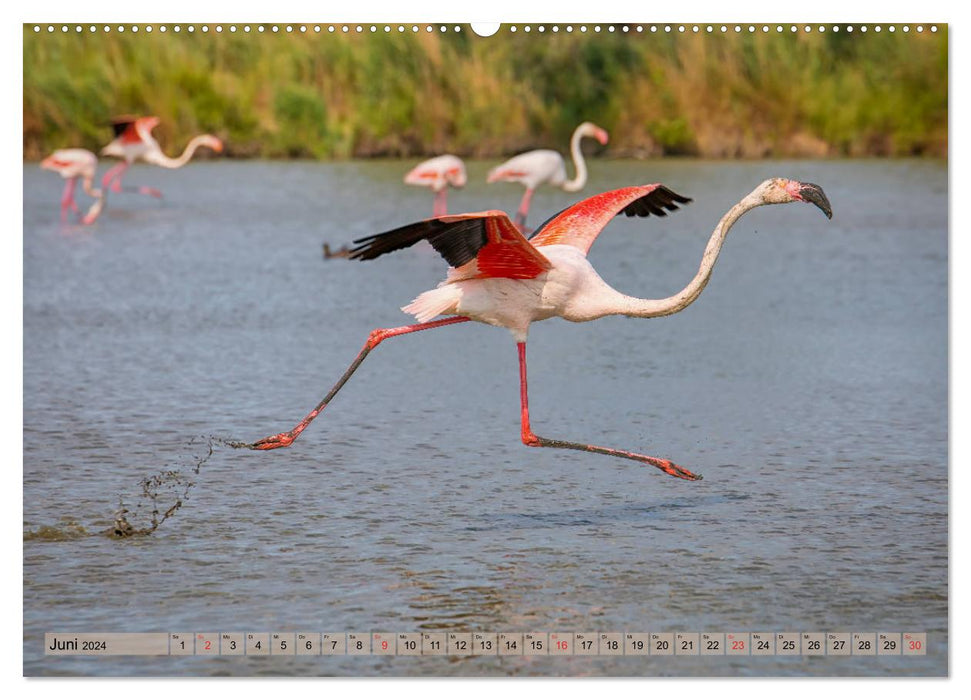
{"points": [[484, 244], [120, 124], [125, 127], [144, 126], [132, 129], [580, 224]]}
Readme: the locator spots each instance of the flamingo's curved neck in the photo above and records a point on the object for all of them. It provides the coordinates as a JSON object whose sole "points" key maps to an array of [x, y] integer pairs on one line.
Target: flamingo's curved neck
{"points": [[647, 308], [160, 159], [577, 183]]}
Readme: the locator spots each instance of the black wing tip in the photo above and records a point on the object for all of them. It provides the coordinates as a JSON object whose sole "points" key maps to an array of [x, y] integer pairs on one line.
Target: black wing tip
{"points": [[679, 198], [659, 201], [371, 247], [121, 122], [360, 253], [361, 247], [456, 241]]}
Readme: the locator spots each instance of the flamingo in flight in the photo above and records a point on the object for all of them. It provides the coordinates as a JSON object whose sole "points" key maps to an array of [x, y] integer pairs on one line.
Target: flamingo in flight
{"points": [[439, 174], [134, 141], [498, 277], [73, 164], [534, 168]]}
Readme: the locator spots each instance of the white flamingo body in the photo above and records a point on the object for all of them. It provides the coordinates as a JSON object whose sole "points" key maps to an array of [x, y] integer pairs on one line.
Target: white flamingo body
{"points": [[571, 290], [75, 164], [498, 277], [127, 151], [532, 169], [545, 166], [438, 174]]}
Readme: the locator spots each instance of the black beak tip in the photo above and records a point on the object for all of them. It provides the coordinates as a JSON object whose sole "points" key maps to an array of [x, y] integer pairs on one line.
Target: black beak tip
{"points": [[814, 195]]}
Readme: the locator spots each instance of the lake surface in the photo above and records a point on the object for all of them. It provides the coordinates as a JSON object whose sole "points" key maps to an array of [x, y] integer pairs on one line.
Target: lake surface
{"points": [[808, 383]]}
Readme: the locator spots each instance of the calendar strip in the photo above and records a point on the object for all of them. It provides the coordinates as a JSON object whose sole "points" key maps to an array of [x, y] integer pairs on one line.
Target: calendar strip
{"points": [[701, 644]]}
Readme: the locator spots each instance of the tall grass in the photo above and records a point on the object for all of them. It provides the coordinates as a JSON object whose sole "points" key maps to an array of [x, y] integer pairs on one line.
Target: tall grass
{"points": [[358, 95]]}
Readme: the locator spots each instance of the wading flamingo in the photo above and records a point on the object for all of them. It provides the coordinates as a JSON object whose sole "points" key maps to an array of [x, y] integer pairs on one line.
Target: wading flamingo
{"points": [[439, 174], [534, 168], [499, 277], [134, 141], [74, 163]]}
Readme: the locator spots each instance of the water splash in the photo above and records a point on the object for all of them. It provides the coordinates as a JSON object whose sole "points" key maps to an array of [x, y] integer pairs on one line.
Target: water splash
{"points": [[67, 530], [162, 494], [160, 497]]}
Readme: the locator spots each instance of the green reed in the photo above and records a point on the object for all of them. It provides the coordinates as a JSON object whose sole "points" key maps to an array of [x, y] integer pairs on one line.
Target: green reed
{"points": [[340, 96]]}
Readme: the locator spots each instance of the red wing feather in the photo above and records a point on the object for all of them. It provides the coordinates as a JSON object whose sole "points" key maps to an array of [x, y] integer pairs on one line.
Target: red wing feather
{"points": [[580, 224], [508, 253], [121, 125], [488, 238]]}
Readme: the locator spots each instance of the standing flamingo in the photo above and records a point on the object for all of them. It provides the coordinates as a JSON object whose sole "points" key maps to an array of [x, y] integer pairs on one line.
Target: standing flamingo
{"points": [[134, 141], [499, 277], [74, 163], [533, 168], [439, 174]]}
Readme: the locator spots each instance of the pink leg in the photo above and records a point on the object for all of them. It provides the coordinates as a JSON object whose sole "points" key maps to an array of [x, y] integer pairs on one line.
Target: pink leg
{"points": [[112, 178], [67, 198], [150, 191], [112, 181], [441, 209], [523, 209], [530, 439], [94, 211], [377, 335]]}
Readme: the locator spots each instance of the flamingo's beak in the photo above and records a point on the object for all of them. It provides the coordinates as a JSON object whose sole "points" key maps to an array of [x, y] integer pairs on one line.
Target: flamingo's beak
{"points": [[602, 137], [813, 194]]}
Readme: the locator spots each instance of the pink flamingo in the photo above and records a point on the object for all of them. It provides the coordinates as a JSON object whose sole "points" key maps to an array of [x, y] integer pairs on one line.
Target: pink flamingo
{"points": [[534, 168], [439, 174], [71, 164], [498, 277], [134, 141]]}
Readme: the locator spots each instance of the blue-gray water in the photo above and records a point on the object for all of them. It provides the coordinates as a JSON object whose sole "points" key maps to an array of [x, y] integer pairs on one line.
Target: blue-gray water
{"points": [[808, 383]]}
